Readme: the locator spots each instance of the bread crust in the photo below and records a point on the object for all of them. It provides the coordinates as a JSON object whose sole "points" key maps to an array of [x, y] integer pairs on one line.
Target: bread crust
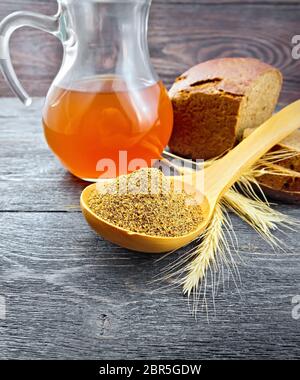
{"points": [[213, 103], [230, 75], [285, 188]]}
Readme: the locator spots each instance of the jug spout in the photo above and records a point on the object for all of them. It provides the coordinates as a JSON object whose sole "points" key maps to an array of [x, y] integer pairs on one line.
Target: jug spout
{"points": [[99, 37], [109, 37]]}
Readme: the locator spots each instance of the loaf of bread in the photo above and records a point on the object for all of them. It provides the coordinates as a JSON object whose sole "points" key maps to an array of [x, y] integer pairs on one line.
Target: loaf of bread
{"points": [[216, 100], [289, 144], [285, 196], [283, 187]]}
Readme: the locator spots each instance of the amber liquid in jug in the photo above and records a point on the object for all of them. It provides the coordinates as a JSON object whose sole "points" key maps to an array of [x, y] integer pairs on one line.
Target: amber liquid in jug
{"points": [[106, 99], [90, 125]]}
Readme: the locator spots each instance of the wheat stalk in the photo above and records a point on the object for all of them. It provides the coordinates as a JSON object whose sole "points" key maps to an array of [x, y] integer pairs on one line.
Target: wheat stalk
{"points": [[259, 215], [210, 255], [212, 242], [212, 251]]}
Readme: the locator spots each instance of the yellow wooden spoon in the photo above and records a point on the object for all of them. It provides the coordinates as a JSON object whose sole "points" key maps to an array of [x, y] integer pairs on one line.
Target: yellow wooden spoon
{"points": [[218, 178]]}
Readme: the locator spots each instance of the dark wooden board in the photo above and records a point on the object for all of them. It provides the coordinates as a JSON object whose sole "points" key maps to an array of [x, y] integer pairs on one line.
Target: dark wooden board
{"points": [[69, 294], [182, 33]]}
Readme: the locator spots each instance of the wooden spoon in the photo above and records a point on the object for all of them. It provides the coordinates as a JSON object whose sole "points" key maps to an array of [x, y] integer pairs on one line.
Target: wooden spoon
{"points": [[218, 178]]}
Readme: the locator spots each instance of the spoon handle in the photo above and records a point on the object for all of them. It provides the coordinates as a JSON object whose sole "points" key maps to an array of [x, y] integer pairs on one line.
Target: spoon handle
{"points": [[225, 172]]}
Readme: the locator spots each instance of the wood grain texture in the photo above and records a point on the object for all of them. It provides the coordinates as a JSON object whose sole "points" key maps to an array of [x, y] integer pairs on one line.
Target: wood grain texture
{"points": [[182, 33], [69, 294]]}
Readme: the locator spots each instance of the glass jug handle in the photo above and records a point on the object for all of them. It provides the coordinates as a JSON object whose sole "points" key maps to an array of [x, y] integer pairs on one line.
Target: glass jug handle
{"points": [[11, 23]]}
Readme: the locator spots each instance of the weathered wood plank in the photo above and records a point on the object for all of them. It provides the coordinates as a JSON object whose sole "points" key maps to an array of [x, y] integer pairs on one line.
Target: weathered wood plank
{"points": [[31, 178], [71, 295], [182, 33], [264, 33]]}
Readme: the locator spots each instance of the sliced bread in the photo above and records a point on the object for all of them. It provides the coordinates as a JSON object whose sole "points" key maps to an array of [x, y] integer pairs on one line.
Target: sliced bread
{"points": [[285, 187], [216, 100]]}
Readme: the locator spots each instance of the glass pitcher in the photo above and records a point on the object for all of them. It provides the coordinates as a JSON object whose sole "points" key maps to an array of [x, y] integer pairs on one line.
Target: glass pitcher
{"points": [[106, 113]]}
